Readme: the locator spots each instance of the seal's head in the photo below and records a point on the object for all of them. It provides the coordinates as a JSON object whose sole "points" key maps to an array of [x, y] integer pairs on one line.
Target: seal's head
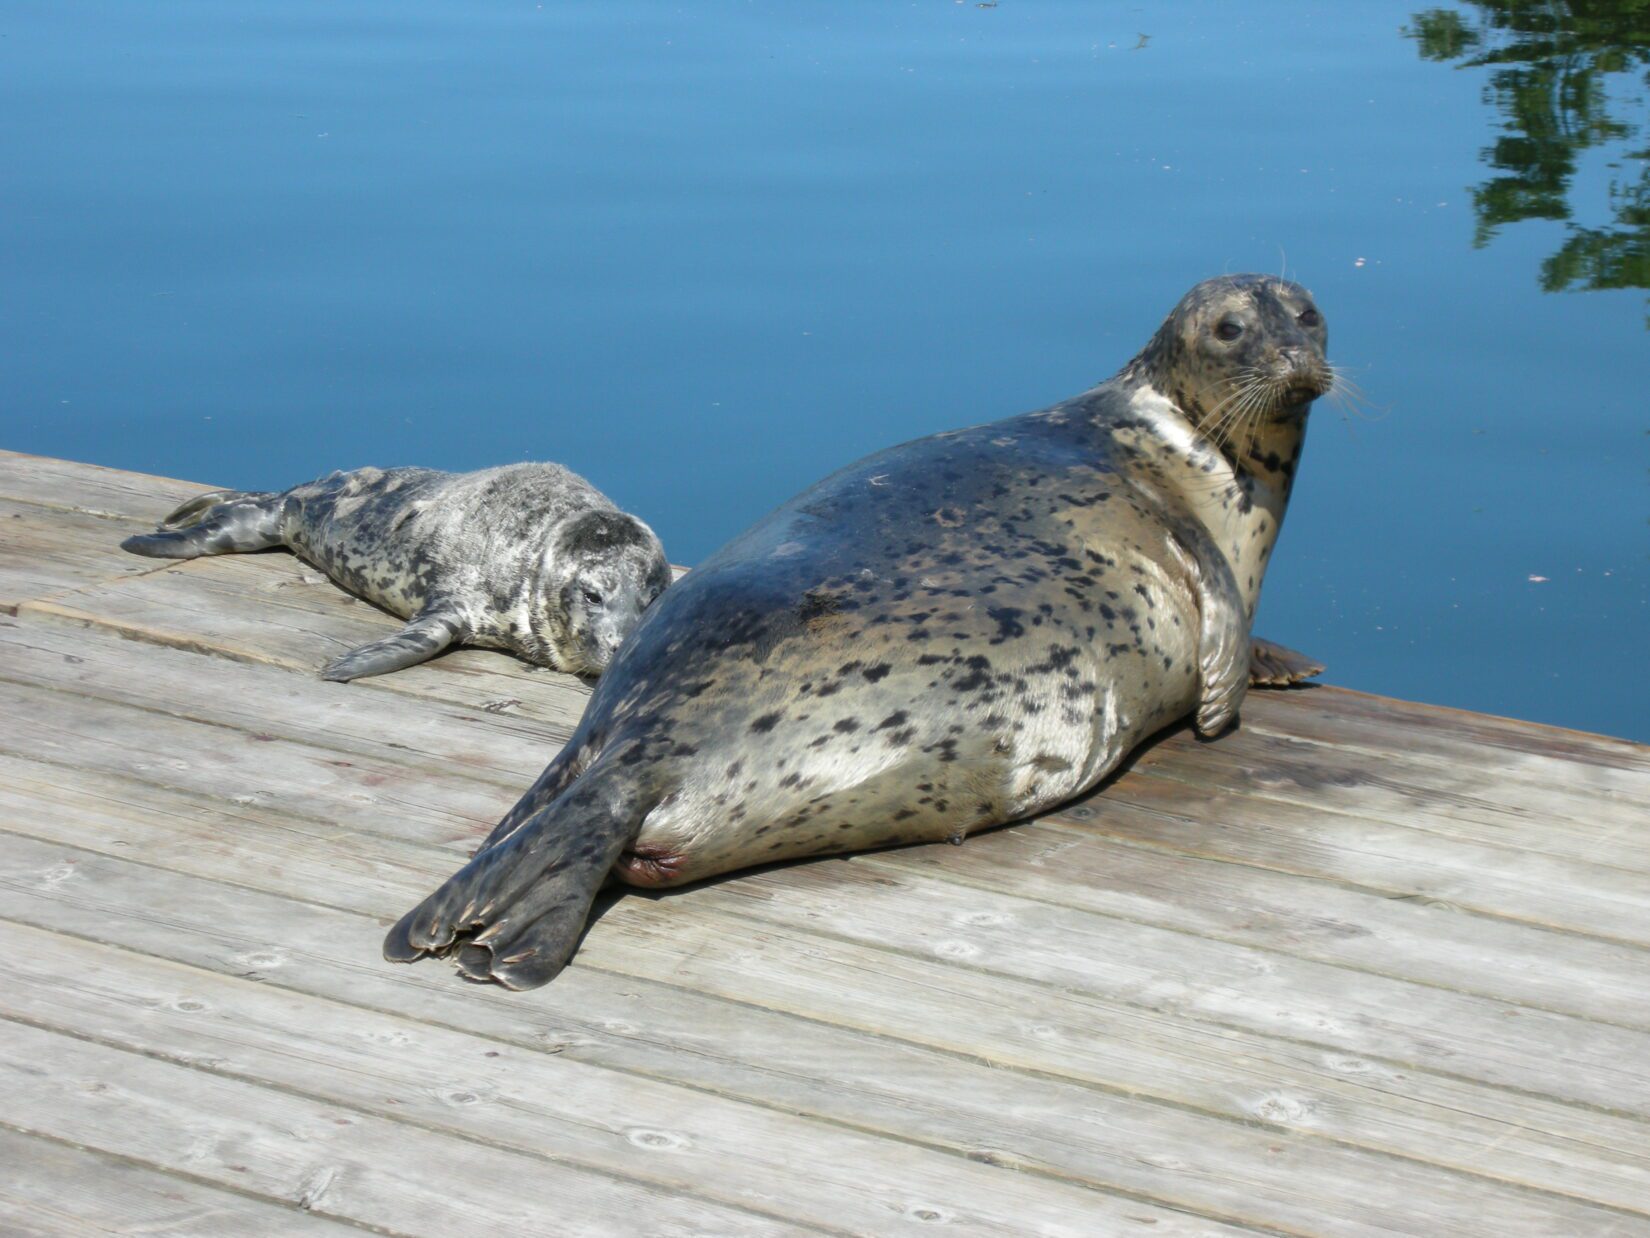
{"points": [[601, 570], [1237, 352]]}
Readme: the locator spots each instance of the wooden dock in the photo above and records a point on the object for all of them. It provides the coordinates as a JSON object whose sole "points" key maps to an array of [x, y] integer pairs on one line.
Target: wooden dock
{"points": [[1362, 967]]}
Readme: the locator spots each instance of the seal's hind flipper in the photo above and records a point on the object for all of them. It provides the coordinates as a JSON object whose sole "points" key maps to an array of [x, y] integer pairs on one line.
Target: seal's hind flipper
{"points": [[219, 522], [515, 912], [427, 635], [564, 767], [1274, 666]]}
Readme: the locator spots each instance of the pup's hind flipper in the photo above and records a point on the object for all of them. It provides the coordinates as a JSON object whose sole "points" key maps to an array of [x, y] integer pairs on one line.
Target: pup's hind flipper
{"points": [[219, 522], [193, 511], [427, 635]]}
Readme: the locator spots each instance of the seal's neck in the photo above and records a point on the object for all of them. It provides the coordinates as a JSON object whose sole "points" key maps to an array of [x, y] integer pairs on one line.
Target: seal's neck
{"points": [[1238, 494]]}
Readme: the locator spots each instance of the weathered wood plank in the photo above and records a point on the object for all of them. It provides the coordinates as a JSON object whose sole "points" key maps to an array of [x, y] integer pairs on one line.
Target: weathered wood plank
{"points": [[1300, 917], [69, 485], [330, 1160], [945, 1097], [244, 767], [52, 1190], [531, 1101], [1330, 712], [45, 552], [1013, 938], [497, 745], [1386, 857], [1498, 780], [1469, 803]]}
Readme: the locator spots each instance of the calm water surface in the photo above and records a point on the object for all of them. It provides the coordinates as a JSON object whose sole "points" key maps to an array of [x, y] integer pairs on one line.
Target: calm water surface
{"points": [[706, 253]]}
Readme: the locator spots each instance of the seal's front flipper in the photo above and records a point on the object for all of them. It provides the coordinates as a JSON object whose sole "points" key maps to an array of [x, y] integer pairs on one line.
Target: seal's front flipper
{"points": [[1223, 667], [219, 522], [423, 638], [515, 911], [1274, 666], [1223, 632]]}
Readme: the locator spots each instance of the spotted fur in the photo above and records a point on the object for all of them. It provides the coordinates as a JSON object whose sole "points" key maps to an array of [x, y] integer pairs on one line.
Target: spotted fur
{"points": [[526, 557], [949, 635]]}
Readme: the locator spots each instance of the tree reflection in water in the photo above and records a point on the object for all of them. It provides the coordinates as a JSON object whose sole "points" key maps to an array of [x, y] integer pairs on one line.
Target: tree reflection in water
{"points": [[1566, 77]]}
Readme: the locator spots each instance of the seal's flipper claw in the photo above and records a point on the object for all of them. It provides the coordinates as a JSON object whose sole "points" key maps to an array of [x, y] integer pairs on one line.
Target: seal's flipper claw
{"points": [[474, 962], [398, 947], [531, 943], [538, 961], [423, 638], [1225, 678], [515, 911], [1275, 666]]}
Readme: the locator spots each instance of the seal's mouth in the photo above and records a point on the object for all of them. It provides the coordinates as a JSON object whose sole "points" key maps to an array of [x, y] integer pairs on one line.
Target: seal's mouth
{"points": [[1300, 393]]}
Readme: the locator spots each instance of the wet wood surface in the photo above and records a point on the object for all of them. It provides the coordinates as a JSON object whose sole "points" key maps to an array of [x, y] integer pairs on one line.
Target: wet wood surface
{"points": [[1361, 967]]}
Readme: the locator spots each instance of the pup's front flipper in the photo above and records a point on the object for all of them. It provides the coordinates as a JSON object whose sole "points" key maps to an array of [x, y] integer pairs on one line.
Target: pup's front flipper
{"points": [[1274, 666], [425, 636], [515, 912]]}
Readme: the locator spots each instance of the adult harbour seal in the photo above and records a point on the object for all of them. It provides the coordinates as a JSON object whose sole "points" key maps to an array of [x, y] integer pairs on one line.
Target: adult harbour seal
{"points": [[526, 557], [954, 633]]}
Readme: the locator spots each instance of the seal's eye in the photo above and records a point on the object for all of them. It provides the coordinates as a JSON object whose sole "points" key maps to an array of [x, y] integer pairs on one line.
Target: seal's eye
{"points": [[1229, 329], [1309, 317], [591, 596]]}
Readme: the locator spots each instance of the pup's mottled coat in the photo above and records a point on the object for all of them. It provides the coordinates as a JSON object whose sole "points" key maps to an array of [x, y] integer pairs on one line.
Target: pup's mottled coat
{"points": [[526, 557]]}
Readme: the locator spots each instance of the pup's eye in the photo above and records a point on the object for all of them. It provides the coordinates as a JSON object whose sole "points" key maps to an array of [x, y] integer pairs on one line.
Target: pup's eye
{"points": [[591, 596], [1229, 330], [1309, 318]]}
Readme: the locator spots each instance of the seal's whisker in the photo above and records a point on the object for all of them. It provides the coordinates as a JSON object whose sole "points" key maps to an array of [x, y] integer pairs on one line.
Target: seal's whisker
{"points": [[1245, 383], [1352, 398]]}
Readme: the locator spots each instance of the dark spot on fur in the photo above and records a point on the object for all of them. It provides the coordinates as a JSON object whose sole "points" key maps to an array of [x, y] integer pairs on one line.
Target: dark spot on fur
{"points": [[1008, 623], [817, 603]]}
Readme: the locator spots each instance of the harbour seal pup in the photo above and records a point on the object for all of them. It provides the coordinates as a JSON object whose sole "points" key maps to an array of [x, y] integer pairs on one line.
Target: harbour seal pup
{"points": [[526, 557], [955, 633]]}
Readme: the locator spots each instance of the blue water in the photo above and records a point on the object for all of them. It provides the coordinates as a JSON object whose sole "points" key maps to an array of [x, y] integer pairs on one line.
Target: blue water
{"points": [[705, 253]]}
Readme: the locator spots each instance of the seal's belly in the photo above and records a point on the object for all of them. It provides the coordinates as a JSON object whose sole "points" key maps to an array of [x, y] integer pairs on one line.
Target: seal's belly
{"points": [[973, 701]]}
